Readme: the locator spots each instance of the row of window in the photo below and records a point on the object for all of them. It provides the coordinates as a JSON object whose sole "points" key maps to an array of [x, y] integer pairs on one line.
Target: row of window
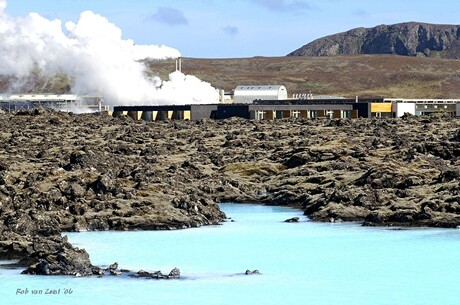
{"points": [[330, 114]]}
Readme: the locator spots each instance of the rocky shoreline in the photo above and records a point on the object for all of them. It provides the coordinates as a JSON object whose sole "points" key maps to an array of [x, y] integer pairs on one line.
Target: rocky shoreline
{"points": [[61, 172]]}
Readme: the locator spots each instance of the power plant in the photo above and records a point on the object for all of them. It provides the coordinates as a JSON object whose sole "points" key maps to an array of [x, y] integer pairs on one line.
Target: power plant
{"points": [[63, 102], [270, 102], [258, 102]]}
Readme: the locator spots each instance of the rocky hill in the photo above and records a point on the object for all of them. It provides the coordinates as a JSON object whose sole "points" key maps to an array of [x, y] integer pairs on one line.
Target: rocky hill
{"points": [[409, 39]]}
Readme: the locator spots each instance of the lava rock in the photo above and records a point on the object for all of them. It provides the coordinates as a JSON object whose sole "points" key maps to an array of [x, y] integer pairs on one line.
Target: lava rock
{"points": [[293, 219]]}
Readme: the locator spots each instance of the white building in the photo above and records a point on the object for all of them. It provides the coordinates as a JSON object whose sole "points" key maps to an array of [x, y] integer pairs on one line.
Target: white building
{"points": [[247, 94], [65, 102], [420, 107], [40, 98]]}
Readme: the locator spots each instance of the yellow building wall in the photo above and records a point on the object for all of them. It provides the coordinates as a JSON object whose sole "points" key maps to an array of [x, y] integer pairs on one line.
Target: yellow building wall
{"points": [[170, 114], [381, 107], [187, 115]]}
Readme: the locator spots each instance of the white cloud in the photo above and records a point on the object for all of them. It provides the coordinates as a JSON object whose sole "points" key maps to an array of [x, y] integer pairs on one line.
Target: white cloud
{"points": [[3, 4]]}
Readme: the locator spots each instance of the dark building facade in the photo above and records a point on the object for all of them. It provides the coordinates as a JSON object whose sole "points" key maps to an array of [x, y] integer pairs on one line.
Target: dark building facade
{"points": [[263, 110]]}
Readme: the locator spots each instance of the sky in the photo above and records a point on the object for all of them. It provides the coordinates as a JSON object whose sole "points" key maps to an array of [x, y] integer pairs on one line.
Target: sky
{"points": [[240, 28]]}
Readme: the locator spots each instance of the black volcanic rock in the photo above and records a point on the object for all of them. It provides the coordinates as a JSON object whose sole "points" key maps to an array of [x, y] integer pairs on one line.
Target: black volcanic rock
{"points": [[103, 173], [409, 39]]}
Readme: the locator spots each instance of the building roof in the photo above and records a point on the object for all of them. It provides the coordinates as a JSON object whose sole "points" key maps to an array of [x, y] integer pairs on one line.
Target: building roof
{"points": [[39, 97], [247, 94], [259, 87]]}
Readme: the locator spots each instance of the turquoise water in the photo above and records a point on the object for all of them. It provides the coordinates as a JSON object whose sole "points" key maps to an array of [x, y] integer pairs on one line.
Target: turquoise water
{"points": [[301, 263]]}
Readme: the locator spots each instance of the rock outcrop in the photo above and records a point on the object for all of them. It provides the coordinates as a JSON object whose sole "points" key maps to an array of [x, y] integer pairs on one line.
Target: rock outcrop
{"points": [[409, 39], [173, 274], [253, 272], [293, 219]]}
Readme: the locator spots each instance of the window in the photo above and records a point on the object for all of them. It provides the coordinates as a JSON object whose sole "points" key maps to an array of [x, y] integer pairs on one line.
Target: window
{"points": [[279, 115], [346, 114]]}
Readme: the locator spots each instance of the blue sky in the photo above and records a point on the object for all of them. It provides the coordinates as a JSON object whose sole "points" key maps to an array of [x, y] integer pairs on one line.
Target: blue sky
{"points": [[241, 28]]}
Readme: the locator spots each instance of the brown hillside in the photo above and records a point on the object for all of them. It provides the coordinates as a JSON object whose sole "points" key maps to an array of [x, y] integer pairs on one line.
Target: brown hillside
{"points": [[345, 75]]}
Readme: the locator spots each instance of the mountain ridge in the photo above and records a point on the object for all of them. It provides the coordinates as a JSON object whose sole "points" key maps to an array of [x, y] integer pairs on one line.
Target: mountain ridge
{"points": [[407, 39]]}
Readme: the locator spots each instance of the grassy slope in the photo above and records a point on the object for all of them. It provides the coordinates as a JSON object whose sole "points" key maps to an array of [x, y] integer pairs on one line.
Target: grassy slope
{"points": [[363, 75], [346, 75]]}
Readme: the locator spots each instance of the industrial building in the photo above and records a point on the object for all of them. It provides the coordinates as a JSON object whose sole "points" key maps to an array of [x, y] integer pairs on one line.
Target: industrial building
{"points": [[320, 108], [168, 112], [282, 109], [420, 107], [262, 110], [64, 102], [264, 102], [270, 102], [247, 94]]}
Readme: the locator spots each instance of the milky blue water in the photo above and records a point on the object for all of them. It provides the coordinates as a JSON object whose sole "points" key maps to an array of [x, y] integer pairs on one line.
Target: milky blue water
{"points": [[301, 263]]}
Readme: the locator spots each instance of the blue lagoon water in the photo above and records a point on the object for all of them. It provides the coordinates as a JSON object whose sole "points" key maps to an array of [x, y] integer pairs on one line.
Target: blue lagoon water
{"points": [[300, 263]]}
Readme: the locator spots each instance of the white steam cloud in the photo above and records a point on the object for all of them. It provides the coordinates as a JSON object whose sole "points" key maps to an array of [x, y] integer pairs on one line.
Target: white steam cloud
{"points": [[93, 53]]}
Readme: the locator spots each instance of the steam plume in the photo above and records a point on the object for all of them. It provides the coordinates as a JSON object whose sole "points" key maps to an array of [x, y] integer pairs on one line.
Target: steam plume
{"points": [[93, 53]]}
